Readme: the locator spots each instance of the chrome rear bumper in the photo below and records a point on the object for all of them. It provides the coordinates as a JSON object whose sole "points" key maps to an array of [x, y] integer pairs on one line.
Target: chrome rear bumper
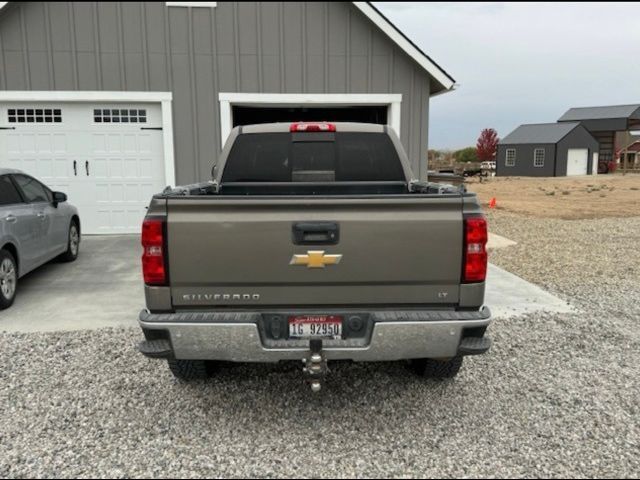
{"points": [[236, 337]]}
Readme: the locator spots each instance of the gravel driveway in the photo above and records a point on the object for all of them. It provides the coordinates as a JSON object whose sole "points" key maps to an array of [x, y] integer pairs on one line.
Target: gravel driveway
{"points": [[557, 395]]}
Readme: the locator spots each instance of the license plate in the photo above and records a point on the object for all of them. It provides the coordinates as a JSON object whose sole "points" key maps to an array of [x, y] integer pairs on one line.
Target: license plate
{"points": [[315, 326]]}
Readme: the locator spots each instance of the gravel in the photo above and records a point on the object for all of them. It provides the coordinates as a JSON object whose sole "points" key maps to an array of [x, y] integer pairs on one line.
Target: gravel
{"points": [[556, 397], [595, 264]]}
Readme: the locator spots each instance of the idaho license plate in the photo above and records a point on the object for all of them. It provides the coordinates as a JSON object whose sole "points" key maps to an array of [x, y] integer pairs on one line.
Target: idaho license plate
{"points": [[315, 326]]}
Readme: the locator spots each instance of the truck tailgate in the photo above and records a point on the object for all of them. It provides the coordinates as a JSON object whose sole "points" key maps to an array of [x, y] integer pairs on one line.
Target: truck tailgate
{"points": [[237, 252]]}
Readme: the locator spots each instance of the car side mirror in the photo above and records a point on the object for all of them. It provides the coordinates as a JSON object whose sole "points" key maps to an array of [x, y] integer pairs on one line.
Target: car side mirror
{"points": [[59, 197]]}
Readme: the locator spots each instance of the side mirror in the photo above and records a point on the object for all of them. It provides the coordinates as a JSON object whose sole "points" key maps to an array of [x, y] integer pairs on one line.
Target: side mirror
{"points": [[59, 197]]}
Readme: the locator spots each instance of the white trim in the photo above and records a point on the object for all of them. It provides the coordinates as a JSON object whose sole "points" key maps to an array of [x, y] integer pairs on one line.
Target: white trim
{"points": [[163, 98], [167, 143], [192, 4], [82, 96], [383, 24], [226, 121], [326, 98], [511, 163], [393, 101]]}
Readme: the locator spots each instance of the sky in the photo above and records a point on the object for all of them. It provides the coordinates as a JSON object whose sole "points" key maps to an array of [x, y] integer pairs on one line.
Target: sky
{"points": [[518, 63]]}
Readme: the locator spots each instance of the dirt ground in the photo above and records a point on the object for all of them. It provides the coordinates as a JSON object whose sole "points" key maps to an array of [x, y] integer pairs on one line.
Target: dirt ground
{"points": [[569, 198]]}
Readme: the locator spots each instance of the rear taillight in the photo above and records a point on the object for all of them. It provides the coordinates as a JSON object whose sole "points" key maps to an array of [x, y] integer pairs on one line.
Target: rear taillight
{"points": [[153, 256], [312, 127], [474, 269]]}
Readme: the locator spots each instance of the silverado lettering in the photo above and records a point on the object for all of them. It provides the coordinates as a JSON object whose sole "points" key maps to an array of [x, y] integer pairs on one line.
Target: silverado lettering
{"points": [[220, 296]]}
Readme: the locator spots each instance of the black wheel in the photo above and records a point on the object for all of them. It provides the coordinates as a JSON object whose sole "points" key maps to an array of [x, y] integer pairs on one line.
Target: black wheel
{"points": [[437, 369], [73, 243], [8, 279], [190, 370]]}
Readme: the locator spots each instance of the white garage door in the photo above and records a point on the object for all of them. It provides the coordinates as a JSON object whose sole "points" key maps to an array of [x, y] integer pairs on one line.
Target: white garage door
{"points": [[577, 160], [108, 158]]}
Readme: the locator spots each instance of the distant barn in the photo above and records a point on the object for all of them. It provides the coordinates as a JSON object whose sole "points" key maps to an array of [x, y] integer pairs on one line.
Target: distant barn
{"points": [[547, 150], [612, 127]]}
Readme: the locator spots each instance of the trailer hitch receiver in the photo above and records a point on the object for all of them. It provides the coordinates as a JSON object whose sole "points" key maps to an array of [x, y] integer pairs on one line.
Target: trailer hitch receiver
{"points": [[315, 367]]}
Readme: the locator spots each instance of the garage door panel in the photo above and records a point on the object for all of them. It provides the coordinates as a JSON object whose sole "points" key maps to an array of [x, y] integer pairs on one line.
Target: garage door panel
{"points": [[118, 219], [102, 222], [146, 169], [58, 187], [118, 166], [46, 168], [146, 144], [13, 143], [59, 143], [99, 143], [27, 164], [28, 143], [44, 143], [131, 168], [577, 161], [132, 193], [62, 168], [100, 168], [129, 144], [114, 142], [115, 170], [116, 193]]}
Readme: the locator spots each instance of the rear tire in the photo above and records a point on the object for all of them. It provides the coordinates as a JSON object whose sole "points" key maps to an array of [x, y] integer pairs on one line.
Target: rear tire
{"points": [[189, 370], [437, 369], [73, 243], [8, 279]]}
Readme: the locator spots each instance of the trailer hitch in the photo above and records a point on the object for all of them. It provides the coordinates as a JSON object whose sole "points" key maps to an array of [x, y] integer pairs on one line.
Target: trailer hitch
{"points": [[315, 367]]}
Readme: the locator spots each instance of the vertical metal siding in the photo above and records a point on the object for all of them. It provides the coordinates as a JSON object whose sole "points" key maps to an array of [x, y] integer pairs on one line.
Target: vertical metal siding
{"points": [[524, 166], [269, 47]]}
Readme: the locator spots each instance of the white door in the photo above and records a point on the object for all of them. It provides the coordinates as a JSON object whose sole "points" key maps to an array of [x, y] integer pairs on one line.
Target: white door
{"points": [[577, 160], [108, 158]]}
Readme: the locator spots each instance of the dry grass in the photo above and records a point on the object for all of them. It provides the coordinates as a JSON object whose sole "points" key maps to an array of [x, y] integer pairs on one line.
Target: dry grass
{"points": [[569, 198]]}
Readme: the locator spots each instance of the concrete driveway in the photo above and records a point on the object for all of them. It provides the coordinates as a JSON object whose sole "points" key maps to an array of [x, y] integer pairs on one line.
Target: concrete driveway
{"points": [[103, 288]]}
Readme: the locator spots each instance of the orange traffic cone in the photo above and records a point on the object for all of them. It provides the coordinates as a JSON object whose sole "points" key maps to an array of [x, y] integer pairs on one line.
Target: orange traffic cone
{"points": [[492, 203]]}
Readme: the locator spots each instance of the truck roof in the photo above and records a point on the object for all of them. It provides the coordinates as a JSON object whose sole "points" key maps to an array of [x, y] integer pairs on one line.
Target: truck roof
{"points": [[285, 126]]}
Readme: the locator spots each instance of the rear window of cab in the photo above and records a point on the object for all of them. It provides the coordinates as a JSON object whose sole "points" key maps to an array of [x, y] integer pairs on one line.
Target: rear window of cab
{"points": [[313, 157]]}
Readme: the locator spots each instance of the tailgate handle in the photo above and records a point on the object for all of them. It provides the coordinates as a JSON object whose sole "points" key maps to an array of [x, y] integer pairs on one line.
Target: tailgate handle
{"points": [[316, 233]]}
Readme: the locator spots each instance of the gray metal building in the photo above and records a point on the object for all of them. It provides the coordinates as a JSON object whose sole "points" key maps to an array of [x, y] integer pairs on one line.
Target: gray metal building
{"points": [[610, 125], [547, 150], [110, 101]]}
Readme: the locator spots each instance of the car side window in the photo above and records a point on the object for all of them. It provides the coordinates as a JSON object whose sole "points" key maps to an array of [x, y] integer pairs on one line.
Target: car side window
{"points": [[33, 190], [9, 194]]}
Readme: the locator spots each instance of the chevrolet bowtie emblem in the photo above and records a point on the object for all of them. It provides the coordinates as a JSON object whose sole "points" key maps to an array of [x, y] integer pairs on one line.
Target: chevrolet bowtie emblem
{"points": [[315, 259]]}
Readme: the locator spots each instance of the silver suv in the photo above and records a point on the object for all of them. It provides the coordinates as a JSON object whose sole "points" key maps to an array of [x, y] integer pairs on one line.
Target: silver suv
{"points": [[36, 225]]}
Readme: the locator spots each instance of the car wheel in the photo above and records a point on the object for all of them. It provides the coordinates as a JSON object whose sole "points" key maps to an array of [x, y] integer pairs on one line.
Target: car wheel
{"points": [[190, 370], [73, 243], [437, 369], [8, 279]]}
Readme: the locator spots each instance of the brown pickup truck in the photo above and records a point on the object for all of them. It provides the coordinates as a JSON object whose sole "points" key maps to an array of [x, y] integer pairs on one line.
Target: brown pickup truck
{"points": [[314, 242]]}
